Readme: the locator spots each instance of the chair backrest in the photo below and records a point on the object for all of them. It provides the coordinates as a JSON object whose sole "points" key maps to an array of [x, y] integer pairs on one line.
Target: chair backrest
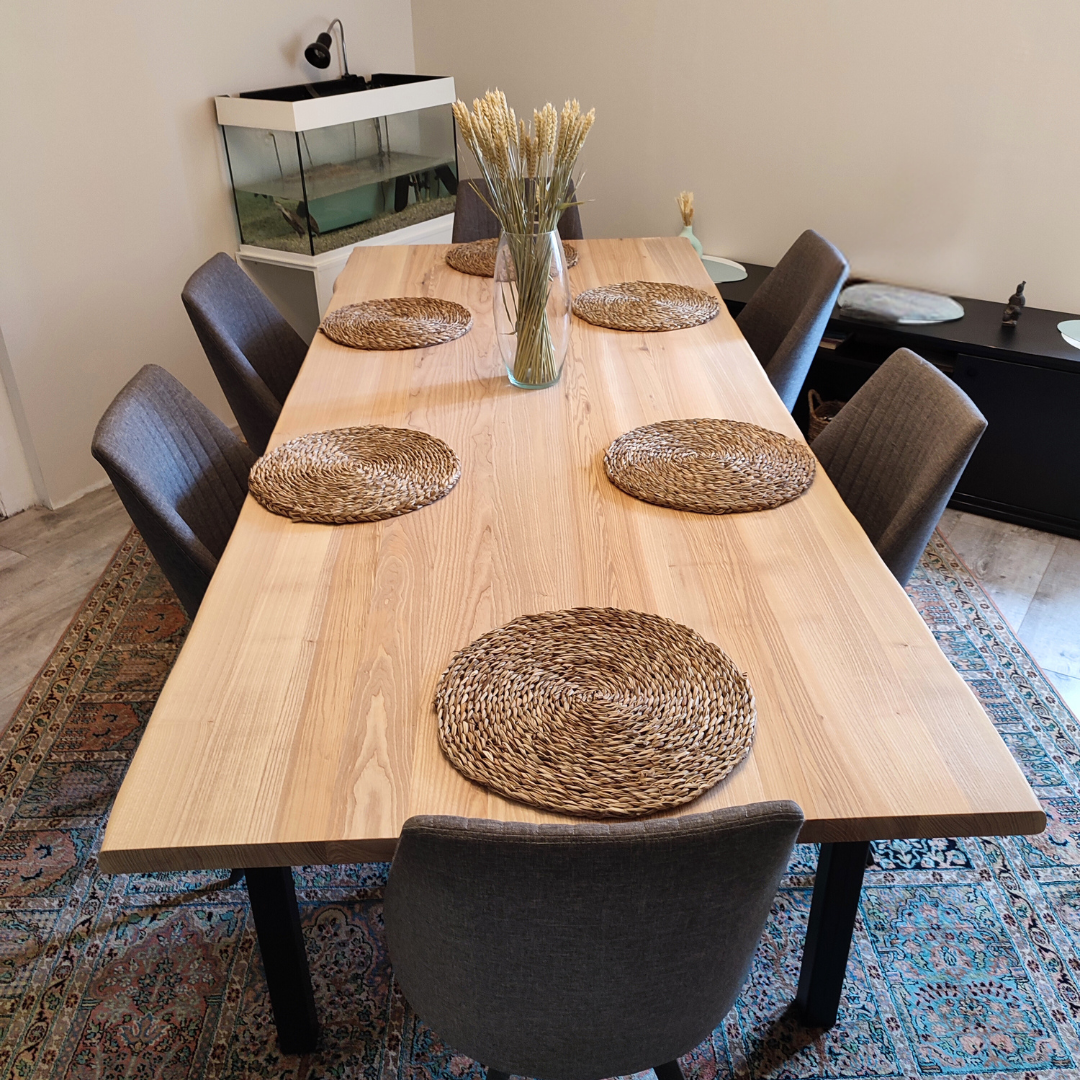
{"points": [[575, 952], [254, 352], [786, 316], [473, 219], [895, 452], [180, 473]]}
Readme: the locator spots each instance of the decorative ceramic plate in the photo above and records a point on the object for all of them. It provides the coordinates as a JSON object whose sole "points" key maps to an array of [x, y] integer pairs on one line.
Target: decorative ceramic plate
{"points": [[878, 302], [721, 270], [1070, 331]]}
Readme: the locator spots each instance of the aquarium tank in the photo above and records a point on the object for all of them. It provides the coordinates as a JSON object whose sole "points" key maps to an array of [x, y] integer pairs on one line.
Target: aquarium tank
{"points": [[325, 165]]}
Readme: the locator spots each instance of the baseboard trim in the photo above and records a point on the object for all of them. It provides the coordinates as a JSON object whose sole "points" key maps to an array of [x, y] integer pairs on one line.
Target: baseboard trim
{"points": [[67, 500], [1016, 515]]}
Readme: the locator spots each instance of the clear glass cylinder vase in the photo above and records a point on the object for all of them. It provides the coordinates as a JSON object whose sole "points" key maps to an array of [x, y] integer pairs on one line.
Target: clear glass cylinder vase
{"points": [[531, 298]]}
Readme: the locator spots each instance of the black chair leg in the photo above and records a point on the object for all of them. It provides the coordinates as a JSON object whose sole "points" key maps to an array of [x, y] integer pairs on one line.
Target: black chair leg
{"points": [[670, 1071], [235, 877], [494, 1074]]}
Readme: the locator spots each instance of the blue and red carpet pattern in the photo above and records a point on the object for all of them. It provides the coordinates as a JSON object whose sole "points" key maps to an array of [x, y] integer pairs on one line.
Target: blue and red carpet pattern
{"points": [[966, 958]]}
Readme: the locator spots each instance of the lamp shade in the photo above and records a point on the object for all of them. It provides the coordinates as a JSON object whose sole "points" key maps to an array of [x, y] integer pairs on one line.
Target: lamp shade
{"points": [[317, 54]]}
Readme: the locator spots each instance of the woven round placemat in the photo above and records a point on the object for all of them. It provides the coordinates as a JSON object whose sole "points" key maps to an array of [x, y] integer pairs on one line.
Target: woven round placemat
{"points": [[709, 466], [400, 322], [646, 305], [354, 474], [478, 257], [595, 711]]}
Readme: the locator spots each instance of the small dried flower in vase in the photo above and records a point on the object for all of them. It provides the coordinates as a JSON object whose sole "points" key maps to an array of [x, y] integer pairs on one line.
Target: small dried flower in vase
{"points": [[685, 199], [528, 170]]}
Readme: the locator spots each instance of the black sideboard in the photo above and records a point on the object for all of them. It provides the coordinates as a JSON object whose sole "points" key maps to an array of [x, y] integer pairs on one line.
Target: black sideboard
{"points": [[1025, 380]]}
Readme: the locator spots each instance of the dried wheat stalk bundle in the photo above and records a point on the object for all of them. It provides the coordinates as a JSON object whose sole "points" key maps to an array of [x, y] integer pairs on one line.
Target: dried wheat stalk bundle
{"points": [[528, 172], [528, 169]]}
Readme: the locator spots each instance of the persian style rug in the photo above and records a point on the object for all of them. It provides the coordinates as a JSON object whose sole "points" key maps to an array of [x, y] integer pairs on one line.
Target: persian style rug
{"points": [[966, 960]]}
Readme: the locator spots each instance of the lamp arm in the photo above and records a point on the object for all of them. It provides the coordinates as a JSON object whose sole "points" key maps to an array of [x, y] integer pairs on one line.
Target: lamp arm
{"points": [[341, 31]]}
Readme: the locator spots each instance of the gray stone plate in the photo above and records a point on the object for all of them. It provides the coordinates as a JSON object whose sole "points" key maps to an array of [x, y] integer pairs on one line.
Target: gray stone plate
{"points": [[878, 302]]}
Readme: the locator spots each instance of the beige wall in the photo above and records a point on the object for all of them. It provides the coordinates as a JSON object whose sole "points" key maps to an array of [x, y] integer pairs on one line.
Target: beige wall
{"points": [[936, 143], [17, 487], [115, 187]]}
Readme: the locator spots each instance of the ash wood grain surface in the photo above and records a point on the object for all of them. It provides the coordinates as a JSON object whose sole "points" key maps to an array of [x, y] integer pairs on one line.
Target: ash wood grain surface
{"points": [[297, 726]]}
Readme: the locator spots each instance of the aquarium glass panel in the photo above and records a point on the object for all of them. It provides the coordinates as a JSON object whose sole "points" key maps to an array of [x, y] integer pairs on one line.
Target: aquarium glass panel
{"points": [[268, 184], [333, 186]]}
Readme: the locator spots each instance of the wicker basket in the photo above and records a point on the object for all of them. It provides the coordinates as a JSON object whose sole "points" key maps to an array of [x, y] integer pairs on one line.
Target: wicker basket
{"points": [[821, 412]]}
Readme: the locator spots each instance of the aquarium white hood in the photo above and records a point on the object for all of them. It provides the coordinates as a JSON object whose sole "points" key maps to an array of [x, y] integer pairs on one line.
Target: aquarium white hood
{"points": [[322, 112]]}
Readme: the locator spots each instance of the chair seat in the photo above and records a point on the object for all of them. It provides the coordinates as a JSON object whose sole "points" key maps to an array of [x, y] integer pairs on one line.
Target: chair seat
{"points": [[895, 452], [786, 317], [474, 219], [254, 352], [582, 951], [180, 473]]}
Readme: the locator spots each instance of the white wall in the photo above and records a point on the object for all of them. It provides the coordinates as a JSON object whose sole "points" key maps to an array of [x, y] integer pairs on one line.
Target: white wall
{"points": [[116, 187], [936, 143], [17, 488]]}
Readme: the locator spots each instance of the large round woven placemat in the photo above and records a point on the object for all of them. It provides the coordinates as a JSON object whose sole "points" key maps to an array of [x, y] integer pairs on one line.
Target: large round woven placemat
{"points": [[595, 711], [354, 474], [478, 257], [646, 305], [400, 322], [709, 466]]}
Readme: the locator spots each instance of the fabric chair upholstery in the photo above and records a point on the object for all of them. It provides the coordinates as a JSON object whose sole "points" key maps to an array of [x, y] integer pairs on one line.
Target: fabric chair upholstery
{"points": [[254, 352], [575, 952], [895, 452], [180, 473], [786, 316], [473, 220]]}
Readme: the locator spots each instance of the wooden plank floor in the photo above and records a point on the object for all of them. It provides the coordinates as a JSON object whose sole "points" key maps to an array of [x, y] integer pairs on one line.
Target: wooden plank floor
{"points": [[1034, 578], [50, 559]]}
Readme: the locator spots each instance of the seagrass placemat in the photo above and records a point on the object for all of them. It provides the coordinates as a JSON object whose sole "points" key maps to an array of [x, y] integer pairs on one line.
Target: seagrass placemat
{"points": [[597, 712], [399, 322], [709, 466], [646, 306], [478, 257], [354, 474]]}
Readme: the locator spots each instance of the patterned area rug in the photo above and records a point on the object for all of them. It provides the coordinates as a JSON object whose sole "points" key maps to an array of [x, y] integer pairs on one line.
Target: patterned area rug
{"points": [[965, 959]]}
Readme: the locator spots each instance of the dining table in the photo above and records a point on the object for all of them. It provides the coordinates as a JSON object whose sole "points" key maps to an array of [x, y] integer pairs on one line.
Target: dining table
{"points": [[298, 726]]}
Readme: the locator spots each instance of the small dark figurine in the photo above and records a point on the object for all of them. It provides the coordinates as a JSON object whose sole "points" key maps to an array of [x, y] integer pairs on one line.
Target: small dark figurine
{"points": [[1016, 306]]}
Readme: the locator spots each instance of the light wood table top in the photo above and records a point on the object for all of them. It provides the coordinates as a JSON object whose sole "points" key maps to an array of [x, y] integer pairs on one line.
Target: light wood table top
{"points": [[297, 725]]}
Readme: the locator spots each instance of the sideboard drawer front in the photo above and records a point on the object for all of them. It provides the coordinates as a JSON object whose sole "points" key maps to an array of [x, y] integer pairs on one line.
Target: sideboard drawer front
{"points": [[1029, 455]]}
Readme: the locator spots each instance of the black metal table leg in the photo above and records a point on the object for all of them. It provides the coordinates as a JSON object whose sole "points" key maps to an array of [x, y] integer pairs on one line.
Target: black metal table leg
{"points": [[281, 942], [828, 932]]}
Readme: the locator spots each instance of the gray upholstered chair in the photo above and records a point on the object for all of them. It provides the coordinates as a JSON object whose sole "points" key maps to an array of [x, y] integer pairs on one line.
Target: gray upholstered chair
{"points": [[895, 452], [180, 473], [575, 952], [473, 220], [254, 352], [785, 318]]}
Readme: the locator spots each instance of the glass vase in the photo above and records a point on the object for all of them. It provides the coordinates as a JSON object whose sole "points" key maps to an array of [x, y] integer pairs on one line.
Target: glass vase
{"points": [[531, 298]]}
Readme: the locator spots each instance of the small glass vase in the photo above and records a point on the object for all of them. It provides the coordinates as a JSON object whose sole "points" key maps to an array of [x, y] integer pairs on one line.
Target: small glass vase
{"points": [[531, 298]]}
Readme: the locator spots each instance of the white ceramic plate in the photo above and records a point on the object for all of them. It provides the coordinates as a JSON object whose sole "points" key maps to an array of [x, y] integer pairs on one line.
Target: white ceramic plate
{"points": [[721, 270], [1070, 331]]}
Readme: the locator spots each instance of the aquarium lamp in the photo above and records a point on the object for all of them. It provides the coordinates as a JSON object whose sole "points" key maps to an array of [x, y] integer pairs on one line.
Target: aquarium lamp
{"points": [[317, 54]]}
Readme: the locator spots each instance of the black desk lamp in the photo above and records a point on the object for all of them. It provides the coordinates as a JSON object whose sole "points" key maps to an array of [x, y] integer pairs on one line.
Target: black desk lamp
{"points": [[317, 54]]}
